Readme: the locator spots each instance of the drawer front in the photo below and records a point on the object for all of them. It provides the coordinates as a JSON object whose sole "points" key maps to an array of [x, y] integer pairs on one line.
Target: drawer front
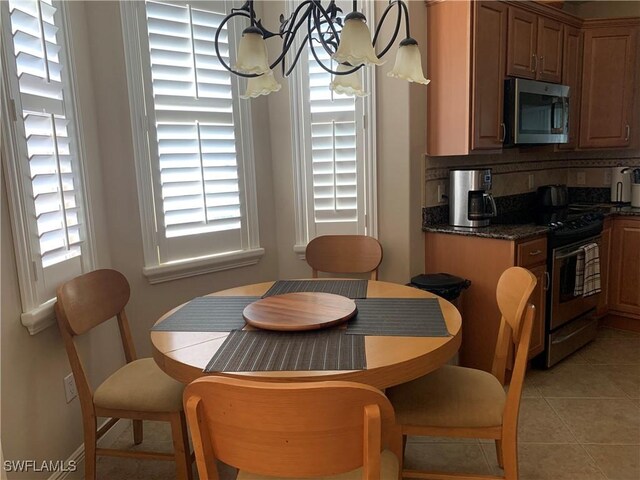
{"points": [[532, 252]]}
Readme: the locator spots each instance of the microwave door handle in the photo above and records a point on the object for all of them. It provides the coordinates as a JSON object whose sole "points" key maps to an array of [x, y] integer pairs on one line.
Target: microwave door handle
{"points": [[554, 106]]}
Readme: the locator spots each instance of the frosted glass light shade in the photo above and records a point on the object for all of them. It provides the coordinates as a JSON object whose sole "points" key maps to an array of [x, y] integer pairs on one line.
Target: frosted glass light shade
{"points": [[350, 84], [252, 53], [408, 64], [262, 85], [355, 43]]}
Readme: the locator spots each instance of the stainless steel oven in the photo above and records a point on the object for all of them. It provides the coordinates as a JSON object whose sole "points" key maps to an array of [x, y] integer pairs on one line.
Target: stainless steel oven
{"points": [[571, 323]]}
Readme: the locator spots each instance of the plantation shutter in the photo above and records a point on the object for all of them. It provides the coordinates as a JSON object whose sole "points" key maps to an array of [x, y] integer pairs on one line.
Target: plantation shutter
{"points": [[335, 149], [48, 131], [197, 185]]}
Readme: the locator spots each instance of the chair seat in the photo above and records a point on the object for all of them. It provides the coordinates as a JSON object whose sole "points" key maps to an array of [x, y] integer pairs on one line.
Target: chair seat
{"points": [[140, 386], [388, 471], [450, 397]]}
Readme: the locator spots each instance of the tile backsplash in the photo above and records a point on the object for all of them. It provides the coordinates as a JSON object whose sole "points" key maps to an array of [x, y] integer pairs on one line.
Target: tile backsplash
{"points": [[522, 170]]}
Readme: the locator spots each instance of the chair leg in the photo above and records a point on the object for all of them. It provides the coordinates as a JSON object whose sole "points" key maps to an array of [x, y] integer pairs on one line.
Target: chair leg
{"points": [[90, 445], [404, 444], [137, 432], [510, 459], [499, 453], [181, 446]]}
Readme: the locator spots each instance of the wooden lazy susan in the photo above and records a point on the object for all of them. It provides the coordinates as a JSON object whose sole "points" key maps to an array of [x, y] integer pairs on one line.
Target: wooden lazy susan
{"points": [[299, 311]]}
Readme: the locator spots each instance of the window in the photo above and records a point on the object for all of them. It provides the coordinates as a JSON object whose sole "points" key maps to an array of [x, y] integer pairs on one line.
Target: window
{"points": [[42, 156], [194, 153], [334, 152]]}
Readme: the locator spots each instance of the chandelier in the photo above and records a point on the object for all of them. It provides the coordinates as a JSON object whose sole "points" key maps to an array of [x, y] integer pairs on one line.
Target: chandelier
{"points": [[348, 42]]}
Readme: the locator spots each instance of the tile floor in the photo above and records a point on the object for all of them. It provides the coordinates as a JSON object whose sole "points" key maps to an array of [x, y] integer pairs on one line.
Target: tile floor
{"points": [[578, 421]]}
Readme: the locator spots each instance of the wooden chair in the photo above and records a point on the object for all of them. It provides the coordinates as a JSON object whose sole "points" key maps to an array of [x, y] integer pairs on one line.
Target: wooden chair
{"points": [[465, 402], [298, 430], [139, 390], [344, 254]]}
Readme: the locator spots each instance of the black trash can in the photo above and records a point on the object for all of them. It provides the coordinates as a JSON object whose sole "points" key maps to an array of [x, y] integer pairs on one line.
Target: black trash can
{"points": [[443, 284]]}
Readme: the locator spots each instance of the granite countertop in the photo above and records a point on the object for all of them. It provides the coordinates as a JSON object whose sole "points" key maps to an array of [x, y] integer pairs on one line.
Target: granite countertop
{"points": [[497, 231], [516, 231]]}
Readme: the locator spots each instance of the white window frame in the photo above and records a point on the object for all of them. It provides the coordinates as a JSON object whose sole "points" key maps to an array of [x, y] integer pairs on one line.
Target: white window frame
{"points": [[302, 168], [138, 80], [38, 312]]}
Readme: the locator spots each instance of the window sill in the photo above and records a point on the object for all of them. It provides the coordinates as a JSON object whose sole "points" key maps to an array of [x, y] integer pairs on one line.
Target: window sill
{"points": [[40, 318], [199, 266]]}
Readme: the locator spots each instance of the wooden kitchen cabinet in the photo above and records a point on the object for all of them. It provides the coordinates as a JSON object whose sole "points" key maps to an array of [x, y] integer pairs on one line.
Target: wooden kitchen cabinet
{"points": [[483, 260], [466, 51], [624, 280], [609, 70], [534, 46], [572, 76]]}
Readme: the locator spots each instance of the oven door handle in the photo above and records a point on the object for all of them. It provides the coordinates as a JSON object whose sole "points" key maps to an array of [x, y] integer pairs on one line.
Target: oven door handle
{"points": [[570, 254]]}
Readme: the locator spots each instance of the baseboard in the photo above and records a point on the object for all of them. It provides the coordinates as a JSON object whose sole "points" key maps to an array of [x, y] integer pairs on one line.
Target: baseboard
{"points": [[78, 456], [621, 322]]}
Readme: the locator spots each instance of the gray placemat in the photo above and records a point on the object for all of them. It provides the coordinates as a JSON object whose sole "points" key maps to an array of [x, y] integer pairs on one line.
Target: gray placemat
{"points": [[346, 288], [408, 317], [207, 314], [254, 351]]}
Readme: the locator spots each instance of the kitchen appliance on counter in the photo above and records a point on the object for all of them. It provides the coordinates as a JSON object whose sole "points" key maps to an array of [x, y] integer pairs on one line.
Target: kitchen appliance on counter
{"points": [[535, 112], [621, 184], [470, 203], [570, 316], [635, 188]]}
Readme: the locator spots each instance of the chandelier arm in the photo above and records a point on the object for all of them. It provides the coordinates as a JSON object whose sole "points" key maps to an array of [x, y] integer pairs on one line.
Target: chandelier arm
{"points": [[318, 28], [216, 44], [290, 34], [399, 3], [321, 9], [303, 45]]}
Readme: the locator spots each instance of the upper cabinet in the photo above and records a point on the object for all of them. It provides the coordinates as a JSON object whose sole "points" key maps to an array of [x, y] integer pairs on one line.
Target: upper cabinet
{"points": [[487, 85], [572, 76], [534, 46], [608, 79], [466, 53]]}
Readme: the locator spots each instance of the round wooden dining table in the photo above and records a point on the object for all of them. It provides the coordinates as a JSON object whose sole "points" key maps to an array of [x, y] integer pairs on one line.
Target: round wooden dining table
{"points": [[391, 360]]}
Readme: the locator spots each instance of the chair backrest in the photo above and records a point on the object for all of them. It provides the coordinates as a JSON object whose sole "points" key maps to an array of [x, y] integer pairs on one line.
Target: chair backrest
{"points": [[344, 254], [289, 429], [86, 302], [512, 293]]}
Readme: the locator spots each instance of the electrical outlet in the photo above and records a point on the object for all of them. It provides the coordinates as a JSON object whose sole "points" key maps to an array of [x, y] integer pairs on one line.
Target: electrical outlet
{"points": [[531, 181], [70, 391], [607, 177], [581, 178], [442, 196]]}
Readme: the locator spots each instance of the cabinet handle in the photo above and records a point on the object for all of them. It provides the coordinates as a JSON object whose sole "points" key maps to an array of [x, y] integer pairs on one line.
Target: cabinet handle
{"points": [[535, 63], [541, 64], [547, 281], [628, 128], [503, 129], [533, 253]]}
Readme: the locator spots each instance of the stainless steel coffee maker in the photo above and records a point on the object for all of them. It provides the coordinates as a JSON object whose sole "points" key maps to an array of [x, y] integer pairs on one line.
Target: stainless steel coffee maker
{"points": [[470, 203]]}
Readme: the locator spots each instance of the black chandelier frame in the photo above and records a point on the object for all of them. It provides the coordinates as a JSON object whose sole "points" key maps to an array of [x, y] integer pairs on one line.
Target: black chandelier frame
{"points": [[318, 19]]}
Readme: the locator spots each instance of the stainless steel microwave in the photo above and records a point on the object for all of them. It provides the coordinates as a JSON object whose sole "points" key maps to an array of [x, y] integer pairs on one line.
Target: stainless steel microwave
{"points": [[535, 112]]}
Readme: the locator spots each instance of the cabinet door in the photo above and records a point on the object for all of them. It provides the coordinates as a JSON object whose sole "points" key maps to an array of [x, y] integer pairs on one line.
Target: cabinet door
{"points": [[572, 76], [605, 249], [624, 290], [521, 48], [539, 300], [607, 87], [489, 46], [549, 50]]}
